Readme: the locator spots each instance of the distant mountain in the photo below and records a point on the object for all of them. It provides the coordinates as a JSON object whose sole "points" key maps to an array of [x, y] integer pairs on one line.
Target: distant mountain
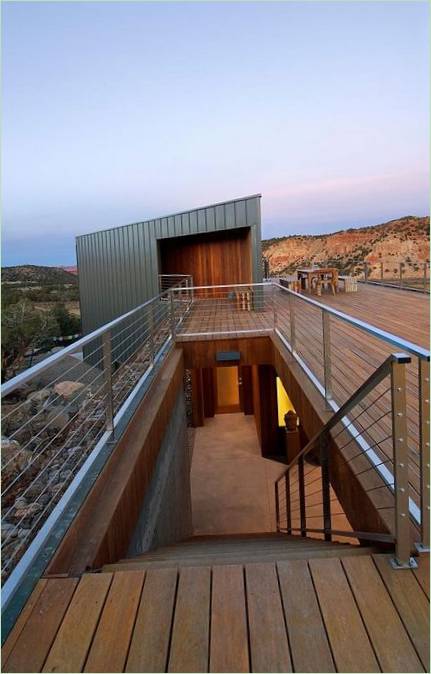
{"points": [[403, 240], [34, 274], [71, 270]]}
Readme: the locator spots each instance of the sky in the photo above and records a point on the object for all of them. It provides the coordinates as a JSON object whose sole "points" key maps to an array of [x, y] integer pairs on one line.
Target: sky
{"points": [[117, 112]]}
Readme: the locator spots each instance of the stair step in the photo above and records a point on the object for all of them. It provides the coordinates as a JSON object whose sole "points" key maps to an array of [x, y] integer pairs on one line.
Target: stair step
{"points": [[180, 553], [239, 558], [217, 544]]}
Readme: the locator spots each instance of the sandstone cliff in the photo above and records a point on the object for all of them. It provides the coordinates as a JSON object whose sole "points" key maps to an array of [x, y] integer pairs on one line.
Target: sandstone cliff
{"points": [[405, 240]]}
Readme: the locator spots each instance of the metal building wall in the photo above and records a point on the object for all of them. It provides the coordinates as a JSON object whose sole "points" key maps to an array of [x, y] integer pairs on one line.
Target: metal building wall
{"points": [[118, 268]]}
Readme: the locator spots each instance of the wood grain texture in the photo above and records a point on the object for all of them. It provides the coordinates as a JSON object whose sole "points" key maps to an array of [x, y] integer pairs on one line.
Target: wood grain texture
{"points": [[111, 641], [190, 633], [35, 639], [229, 640], [22, 619], [391, 643], [102, 529], [351, 648], [411, 604], [303, 619], [214, 258], [151, 636], [70, 647], [422, 573], [269, 649]]}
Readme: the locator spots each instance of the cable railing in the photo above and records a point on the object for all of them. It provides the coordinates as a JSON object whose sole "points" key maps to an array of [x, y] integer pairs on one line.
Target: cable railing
{"points": [[237, 309], [305, 502], [407, 273], [338, 352], [167, 281], [58, 412]]}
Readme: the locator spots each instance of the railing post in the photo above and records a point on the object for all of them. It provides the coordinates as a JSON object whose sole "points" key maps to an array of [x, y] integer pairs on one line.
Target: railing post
{"points": [[151, 335], [107, 372], [288, 512], [292, 321], [401, 473], [326, 326], [172, 313], [401, 274], [326, 485], [301, 486], [425, 275], [277, 508], [274, 307], [424, 448], [381, 271], [366, 271]]}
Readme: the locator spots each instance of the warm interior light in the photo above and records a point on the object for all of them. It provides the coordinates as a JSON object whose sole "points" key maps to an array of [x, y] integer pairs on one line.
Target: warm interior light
{"points": [[284, 403]]}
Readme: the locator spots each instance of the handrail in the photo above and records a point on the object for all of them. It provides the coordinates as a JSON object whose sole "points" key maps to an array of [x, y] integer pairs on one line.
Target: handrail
{"points": [[372, 381], [394, 367], [38, 368], [399, 342]]}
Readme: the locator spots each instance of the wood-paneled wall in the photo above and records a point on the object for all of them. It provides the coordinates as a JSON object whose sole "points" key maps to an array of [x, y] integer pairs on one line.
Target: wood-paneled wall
{"points": [[215, 258], [102, 530]]}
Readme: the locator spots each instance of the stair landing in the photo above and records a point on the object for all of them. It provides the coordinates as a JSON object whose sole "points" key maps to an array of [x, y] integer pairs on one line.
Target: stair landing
{"points": [[346, 614]]}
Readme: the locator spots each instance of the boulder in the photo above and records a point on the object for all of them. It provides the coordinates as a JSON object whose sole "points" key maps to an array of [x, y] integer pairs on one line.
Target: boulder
{"points": [[57, 419], [13, 458], [40, 396], [68, 389]]}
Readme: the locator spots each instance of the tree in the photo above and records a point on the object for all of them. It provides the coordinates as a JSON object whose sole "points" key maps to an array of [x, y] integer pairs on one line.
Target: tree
{"points": [[23, 328], [67, 322]]}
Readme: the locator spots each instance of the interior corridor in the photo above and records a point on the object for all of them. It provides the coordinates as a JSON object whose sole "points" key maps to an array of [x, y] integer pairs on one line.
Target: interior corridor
{"points": [[232, 484]]}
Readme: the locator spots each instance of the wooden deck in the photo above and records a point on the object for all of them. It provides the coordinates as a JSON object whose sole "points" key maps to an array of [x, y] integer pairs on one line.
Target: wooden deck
{"points": [[355, 354], [353, 614]]}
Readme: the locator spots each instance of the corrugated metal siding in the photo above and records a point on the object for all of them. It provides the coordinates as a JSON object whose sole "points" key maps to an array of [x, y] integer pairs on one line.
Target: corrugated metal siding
{"points": [[118, 268]]}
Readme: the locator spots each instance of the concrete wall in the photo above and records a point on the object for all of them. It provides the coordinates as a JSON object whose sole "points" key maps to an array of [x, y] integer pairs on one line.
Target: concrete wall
{"points": [[166, 514]]}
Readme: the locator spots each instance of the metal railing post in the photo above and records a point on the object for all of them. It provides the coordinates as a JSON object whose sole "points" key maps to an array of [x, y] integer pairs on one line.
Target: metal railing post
{"points": [[326, 485], [292, 321], [151, 335], [288, 509], [172, 313], [401, 473], [107, 371], [424, 448], [326, 327], [301, 487], [274, 308]]}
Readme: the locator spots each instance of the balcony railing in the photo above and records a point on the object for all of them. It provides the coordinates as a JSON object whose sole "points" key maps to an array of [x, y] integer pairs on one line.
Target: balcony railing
{"points": [[58, 415]]}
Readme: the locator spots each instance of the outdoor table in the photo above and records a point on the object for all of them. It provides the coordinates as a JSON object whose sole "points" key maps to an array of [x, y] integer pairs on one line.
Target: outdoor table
{"points": [[308, 274]]}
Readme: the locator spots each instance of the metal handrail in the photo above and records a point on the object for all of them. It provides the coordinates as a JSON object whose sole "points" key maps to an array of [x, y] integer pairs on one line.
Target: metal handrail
{"points": [[372, 381], [388, 337], [21, 378], [392, 366]]}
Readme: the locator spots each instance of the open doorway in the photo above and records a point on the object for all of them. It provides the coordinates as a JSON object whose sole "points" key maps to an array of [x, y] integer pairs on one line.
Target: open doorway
{"points": [[226, 394]]}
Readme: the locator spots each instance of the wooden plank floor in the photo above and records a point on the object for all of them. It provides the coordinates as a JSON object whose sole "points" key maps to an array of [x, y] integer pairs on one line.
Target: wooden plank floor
{"points": [[355, 354], [350, 615]]}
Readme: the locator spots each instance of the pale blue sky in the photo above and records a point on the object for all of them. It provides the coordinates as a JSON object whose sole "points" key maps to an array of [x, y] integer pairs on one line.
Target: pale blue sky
{"points": [[116, 112]]}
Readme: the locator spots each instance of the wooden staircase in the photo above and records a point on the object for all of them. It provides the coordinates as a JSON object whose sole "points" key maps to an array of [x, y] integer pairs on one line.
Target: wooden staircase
{"points": [[237, 549]]}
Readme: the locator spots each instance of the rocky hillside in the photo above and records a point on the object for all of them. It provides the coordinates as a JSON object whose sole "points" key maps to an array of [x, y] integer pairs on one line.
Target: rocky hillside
{"points": [[404, 240], [34, 274]]}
